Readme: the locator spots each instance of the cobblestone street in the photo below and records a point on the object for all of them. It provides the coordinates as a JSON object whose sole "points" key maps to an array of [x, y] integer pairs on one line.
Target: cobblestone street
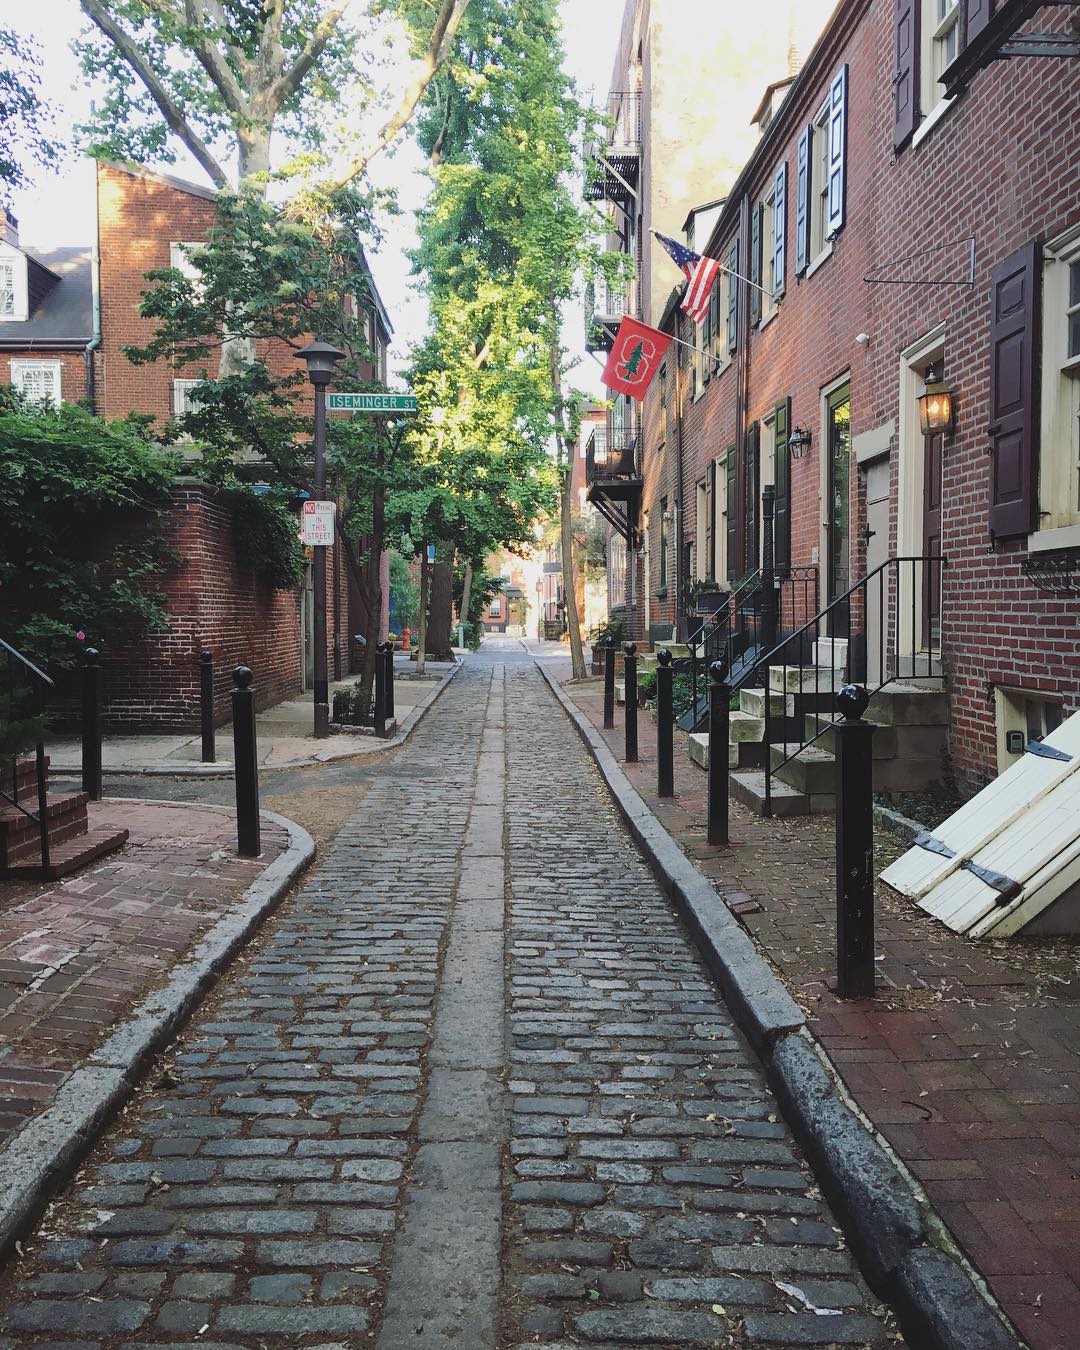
{"points": [[470, 1087]]}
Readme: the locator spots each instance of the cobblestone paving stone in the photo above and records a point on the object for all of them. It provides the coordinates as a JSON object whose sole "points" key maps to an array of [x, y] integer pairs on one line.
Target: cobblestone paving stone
{"points": [[275, 1185]]}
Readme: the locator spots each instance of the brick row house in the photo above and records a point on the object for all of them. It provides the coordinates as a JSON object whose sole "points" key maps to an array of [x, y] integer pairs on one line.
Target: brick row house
{"points": [[905, 232], [65, 318]]}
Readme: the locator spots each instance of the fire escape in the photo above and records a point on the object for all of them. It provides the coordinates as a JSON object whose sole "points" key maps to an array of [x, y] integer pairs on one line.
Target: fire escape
{"points": [[612, 455]]}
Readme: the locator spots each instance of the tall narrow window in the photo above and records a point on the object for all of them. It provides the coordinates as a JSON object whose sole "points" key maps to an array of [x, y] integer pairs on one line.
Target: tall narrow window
{"points": [[7, 288], [663, 542]]}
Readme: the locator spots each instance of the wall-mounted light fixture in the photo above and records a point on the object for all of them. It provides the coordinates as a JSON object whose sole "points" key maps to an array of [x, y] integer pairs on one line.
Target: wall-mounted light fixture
{"points": [[935, 404], [799, 442]]}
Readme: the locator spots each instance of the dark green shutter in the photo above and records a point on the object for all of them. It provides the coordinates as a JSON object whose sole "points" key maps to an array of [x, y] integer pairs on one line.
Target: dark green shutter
{"points": [[755, 263], [782, 480], [802, 202], [734, 571], [752, 497], [710, 527], [733, 297]]}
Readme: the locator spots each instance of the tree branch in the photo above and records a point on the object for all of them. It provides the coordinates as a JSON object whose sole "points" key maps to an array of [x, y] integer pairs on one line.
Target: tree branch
{"points": [[442, 38], [98, 15], [210, 58], [287, 84]]}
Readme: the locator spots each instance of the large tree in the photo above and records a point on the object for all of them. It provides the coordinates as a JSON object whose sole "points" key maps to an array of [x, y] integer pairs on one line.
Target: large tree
{"points": [[26, 117], [223, 76], [502, 242]]}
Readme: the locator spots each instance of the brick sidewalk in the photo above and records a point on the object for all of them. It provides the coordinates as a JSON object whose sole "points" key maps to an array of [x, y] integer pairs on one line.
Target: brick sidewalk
{"points": [[967, 1061], [76, 957]]}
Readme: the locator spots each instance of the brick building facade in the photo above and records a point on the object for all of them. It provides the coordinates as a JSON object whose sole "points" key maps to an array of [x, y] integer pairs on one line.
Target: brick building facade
{"points": [[898, 225], [71, 314]]}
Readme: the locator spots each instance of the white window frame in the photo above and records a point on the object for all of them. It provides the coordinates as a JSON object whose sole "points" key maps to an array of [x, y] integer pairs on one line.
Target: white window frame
{"points": [[495, 607], [720, 520], [19, 291], [818, 206], [20, 368], [1017, 709], [768, 256], [1059, 431], [180, 258], [939, 26], [701, 560], [721, 352], [181, 396], [617, 570]]}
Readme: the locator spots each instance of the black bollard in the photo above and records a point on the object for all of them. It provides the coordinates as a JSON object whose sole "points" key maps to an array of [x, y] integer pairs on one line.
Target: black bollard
{"points": [[665, 726], [206, 704], [379, 713], [630, 699], [246, 765], [854, 846], [719, 719], [91, 724], [609, 683], [390, 713]]}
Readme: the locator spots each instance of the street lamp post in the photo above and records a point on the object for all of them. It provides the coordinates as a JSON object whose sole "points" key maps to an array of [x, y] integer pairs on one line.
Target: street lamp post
{"points": [[321, 359]]}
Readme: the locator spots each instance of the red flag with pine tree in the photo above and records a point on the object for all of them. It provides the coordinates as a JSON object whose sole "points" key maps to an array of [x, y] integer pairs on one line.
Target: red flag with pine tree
{"points": [[634, 358]]}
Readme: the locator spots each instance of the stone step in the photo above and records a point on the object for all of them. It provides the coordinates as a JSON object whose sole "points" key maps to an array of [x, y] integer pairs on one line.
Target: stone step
{"points": [[748, 787], [752, 701], [698, 746], [809, 770], [807, 680], [885, 737], [831, 653], [68, 855], [902, 704], [19, 832], [744, 726]]}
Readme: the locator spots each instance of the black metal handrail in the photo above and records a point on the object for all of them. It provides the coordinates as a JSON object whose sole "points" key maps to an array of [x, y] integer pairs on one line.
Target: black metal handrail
{"points": [[876, 652], [19, 667]]}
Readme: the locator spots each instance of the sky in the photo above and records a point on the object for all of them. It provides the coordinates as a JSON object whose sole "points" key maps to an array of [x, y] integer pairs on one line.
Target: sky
{"points": [[58, 209]]}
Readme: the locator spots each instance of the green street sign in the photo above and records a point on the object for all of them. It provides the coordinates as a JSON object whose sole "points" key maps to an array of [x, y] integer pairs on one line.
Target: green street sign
{"points": [[372, 403]]}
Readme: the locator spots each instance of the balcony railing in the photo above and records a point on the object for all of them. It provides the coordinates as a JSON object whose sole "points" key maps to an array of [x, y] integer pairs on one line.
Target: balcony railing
{"points": [[610, 455], [616, 153], [605, 304]]}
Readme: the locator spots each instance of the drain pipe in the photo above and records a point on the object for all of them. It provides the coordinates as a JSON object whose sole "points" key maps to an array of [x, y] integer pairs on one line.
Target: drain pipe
{"points": [[95, 342]]}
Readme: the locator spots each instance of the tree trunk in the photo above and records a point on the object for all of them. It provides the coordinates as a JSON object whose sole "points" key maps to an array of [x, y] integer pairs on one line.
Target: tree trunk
{"points": [[573, 619], [421, 649], [374, 596], [466, 593], [442, 610]]}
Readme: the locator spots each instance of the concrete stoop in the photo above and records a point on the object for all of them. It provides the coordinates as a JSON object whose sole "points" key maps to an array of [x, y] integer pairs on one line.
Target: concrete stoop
{"points": [[909, 742]]}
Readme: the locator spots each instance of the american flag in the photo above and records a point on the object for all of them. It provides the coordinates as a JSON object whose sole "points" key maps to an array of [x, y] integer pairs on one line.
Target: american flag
{"points": [[700, 274]]}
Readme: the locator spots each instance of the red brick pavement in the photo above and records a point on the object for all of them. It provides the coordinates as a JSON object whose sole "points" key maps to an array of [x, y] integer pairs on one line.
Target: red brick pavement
{"points": [[967, 1060], [75, 957]]}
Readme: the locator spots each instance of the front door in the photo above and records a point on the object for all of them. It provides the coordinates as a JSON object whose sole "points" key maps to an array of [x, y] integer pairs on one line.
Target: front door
{"points": [[931, 589], [876, 483], [838, 499]]}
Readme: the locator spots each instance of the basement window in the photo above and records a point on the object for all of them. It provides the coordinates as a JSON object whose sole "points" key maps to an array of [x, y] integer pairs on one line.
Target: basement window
{"points": [[1023, 715]]}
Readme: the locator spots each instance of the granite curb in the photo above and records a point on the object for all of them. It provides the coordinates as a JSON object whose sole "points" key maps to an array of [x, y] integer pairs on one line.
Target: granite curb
{"points": [[201, 771], [900, 1242], [43, 1154]]}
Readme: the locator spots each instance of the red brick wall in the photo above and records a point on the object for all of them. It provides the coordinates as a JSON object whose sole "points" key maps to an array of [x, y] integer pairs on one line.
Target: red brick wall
{"points": [[1004, 165], [216, 602]]}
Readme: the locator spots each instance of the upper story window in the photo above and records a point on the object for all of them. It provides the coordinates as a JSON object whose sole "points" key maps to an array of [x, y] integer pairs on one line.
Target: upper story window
{"points": [[183, 397], [821, 178], [38, 380], [819, 195], [769, 239], [182, 257], [13, 297], [938, 48], [662, 393], [721, 351]]}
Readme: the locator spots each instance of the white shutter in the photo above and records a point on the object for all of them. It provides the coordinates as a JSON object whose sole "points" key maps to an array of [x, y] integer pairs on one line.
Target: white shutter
{"points": [[837, 150], [779, 239]]}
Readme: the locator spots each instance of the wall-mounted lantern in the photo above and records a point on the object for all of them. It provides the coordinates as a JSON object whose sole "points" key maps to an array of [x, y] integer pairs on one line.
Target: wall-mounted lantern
{"points": [[799, 442], [935, 404]]}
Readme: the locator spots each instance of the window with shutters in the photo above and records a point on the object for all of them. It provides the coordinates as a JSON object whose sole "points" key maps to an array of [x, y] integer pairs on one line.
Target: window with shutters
{"points": [[38, 380], [818, 204], [768, 227], [1059, 458], [662, 395], [721, 352]]}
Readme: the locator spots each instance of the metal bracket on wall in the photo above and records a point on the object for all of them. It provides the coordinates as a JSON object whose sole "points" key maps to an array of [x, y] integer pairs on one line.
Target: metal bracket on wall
{"points": [[872, 279]]}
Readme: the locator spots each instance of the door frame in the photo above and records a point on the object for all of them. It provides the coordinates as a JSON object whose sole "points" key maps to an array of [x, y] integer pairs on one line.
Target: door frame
{"points": [[827, 392], [909, 479]]}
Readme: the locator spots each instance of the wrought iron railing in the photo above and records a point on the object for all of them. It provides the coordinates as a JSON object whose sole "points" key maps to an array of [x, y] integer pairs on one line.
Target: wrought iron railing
{"points": [[746, 625], [610, 453], [885, 627], [23, 717], [624, 116]]}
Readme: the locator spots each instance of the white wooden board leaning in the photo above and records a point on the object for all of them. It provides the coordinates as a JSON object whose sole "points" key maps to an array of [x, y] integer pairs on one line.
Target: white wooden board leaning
{"points": [[1010, 857]]}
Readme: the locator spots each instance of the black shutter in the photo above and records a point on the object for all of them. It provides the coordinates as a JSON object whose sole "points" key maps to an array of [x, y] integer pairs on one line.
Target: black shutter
{"points": [[710, 526], [837, 151], [779, 239], [803, 177], [714, 311], [977, 14], [905, 70], [733, 297], [756, 219], [1014, 389], [734, 571], [705, 338], [782, 480]]}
